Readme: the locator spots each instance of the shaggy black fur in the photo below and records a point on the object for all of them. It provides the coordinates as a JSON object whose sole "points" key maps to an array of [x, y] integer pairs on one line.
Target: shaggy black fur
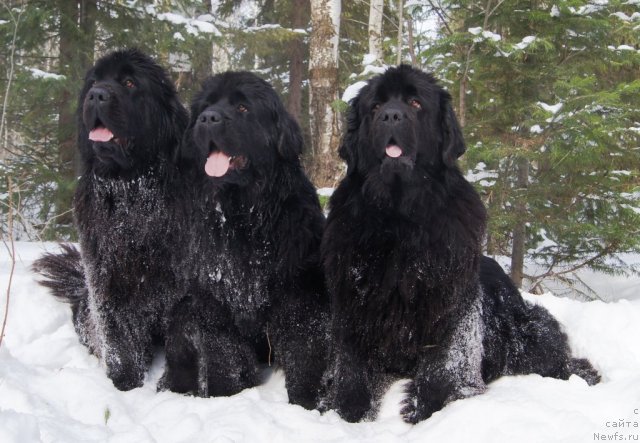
{"points": [[258, 293], [402, 257], [522, 338], [127, 212], [64, 275]]}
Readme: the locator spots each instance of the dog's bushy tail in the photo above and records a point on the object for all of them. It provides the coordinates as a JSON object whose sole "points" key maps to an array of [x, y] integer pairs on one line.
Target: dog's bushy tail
{"points": [[582, 368], [64, 275]]}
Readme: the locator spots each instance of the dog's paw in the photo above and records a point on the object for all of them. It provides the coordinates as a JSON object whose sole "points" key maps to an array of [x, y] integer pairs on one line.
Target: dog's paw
{"points": [[413, 410]]}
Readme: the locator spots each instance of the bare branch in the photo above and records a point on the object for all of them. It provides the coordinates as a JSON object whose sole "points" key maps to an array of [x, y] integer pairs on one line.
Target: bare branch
{"points": [[3, 117], [12, 256]]}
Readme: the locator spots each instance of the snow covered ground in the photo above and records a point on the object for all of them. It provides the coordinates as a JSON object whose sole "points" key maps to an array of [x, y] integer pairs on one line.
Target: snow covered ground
{"points": [[52, 390]]}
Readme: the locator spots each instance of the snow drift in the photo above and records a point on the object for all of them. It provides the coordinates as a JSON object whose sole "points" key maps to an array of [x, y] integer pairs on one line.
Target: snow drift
{"points": [[52, 390]]}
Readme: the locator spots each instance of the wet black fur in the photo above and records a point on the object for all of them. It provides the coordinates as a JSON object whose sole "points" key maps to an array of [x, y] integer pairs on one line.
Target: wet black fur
{"points": [[257, 295], [402, 258], [127, 212]]}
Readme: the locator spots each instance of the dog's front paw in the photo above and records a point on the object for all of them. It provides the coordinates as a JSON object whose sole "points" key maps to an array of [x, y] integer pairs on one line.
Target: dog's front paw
{"points": [[412, 409], [417, 406], [421, 403]]}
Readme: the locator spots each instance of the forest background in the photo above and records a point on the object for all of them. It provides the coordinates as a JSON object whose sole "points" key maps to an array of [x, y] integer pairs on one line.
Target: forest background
{"points": [[547, 92]]}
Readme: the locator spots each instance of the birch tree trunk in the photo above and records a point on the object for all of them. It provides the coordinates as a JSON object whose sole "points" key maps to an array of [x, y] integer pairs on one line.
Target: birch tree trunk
{"points": [[323, 91], [299, 20], [400, 31], [375, 31], [220, 59]]}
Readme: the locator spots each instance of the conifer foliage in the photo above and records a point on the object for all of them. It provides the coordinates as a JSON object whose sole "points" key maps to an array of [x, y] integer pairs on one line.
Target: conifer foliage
{"points": [[548, 92]]}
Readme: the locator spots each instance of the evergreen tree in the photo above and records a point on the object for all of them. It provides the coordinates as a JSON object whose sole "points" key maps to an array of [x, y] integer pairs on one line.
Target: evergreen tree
{"points": [[548, 94], [54, 44]]}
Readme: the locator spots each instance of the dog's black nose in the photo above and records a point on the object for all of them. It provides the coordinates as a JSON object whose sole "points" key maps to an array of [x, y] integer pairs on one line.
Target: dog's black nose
{"points": [[210, 117], [99, 95], [392, 115]]}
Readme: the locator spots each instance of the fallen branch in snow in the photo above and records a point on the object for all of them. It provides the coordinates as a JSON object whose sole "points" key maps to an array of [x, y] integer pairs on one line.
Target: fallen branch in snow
{"points": [[563, 275]]}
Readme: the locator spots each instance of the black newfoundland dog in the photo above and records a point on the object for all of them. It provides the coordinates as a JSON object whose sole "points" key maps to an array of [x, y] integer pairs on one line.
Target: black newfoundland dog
{"points": [[123, 286], [412, 296], [257, 294]]}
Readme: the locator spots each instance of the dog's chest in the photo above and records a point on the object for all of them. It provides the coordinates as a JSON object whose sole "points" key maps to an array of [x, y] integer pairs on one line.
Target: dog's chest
{"points": [[124, 220], [393, 295], [238, 269]]}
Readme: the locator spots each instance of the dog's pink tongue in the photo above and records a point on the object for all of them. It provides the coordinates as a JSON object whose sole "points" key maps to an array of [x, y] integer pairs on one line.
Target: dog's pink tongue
{"points": [[393, 151], [217, 164], [100, 135]]}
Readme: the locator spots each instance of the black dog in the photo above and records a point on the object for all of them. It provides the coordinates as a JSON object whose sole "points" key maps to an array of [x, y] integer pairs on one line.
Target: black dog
{"points": [[258, 293], [130, 122], [402, 256]]}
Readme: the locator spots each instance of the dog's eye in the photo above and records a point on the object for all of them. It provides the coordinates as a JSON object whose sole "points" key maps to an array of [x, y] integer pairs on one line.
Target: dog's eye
{"points": [[415, 104], [242, 108], [129, 83]]}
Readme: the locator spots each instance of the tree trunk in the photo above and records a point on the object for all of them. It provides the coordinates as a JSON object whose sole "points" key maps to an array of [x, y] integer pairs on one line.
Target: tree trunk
{"points": [[88, 17], [86, 49], [520, 230], [400, 32], [323, 91], [68, 58], [376, 8], [76, 43], [462, 105], [410, 42], [201, 60], [299, 20], [220, 60]]}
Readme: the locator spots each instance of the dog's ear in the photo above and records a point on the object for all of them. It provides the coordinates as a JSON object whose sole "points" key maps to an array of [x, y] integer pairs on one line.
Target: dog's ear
{"points": [[290, 141], [348, 150], [452, 140]]}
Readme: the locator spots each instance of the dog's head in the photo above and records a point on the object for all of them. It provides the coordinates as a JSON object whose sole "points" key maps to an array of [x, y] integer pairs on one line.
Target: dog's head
{"points": [[239, 130], [129, 115], [400, 125]]}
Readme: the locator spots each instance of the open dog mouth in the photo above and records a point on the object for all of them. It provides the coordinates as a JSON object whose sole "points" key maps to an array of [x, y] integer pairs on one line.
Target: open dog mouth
{"points": [[393, 150], [103, 134], [219, 163]]}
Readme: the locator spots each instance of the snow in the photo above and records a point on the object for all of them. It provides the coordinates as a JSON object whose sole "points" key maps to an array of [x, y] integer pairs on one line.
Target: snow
{"points": [[52, 390], [369, 59], [352, 91], [554, 109], [325, 192], [37, 73], [525, 42], [174, 18], [481, 176], [201, 24], [491, 36], [624, 17], [536, 129]]}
